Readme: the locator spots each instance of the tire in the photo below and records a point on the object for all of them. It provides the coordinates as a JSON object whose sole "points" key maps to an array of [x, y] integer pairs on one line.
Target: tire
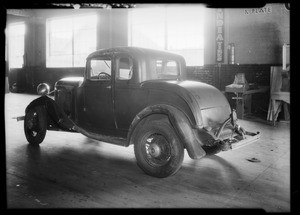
{"points": [[157, 149], [35, 125]]}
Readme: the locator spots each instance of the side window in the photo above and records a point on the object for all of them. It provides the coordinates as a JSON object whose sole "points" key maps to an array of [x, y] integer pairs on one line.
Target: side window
{"points": [[99, 69], [125, 68], [171, 68], [166, 69]]}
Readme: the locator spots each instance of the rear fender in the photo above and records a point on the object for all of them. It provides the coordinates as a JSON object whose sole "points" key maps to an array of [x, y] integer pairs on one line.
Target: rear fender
{"points": [[179, 121]]}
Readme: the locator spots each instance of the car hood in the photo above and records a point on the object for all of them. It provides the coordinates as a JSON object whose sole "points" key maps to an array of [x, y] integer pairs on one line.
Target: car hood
{"points": [[209, 105], [69, 82]]}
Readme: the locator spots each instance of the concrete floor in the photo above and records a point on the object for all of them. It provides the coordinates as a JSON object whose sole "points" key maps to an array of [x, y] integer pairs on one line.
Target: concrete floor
{"points": [[69, 170]]}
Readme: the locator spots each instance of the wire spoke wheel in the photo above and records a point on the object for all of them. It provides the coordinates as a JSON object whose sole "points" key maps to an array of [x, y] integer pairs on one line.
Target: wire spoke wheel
{"points": [[35, 125], [32, 126], [157, 148]]}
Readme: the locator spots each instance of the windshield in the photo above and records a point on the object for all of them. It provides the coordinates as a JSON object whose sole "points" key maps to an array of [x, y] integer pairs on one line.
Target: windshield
{"points": [[99, 69], [163, 69]]}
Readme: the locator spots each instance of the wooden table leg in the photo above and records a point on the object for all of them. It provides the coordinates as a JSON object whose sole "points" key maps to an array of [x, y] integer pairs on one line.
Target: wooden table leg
{"points": [[240, 106]]}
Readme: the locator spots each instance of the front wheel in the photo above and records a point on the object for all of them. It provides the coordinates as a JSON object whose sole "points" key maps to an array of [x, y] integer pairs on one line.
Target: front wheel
{"points": [[35, 125], [157, 148]]}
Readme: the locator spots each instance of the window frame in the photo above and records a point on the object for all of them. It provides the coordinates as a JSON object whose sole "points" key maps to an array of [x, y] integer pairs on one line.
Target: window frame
{"points": [[88, 68]]}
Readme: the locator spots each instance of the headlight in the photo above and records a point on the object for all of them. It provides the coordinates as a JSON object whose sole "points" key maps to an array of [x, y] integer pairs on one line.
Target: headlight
{"points": [[43, 89]]}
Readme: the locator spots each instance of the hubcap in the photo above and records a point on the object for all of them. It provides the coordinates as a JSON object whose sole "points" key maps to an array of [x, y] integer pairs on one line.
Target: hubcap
{"points": [[154, 150], [157, 149]]}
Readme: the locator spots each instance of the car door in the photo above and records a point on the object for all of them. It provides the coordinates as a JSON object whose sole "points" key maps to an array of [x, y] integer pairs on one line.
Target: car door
{"points": [[130, 99], [96, 110]]}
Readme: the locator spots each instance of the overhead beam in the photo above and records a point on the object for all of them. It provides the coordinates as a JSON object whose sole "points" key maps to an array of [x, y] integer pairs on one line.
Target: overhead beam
{"points": [[20, 12]]}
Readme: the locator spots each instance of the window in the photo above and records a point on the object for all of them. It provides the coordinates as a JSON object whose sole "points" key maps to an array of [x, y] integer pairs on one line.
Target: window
{"points": [[170, 68], [124, 68], [70, 40], [176, 29], [99, 69], [147, 28], [16, 34], [163, 69]]}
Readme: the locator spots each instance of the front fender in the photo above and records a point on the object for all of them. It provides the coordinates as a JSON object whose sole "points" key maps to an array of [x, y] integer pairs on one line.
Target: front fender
{"points": [[41, 101], [57, 118], [181, 124]]}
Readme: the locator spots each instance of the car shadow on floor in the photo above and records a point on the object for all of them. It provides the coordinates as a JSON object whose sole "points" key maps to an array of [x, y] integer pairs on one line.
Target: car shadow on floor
{"points": [[212, 174], [91, 171]]}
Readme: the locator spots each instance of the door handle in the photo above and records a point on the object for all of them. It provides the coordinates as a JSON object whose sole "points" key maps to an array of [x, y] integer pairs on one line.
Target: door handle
{"points": [[108, 87]]}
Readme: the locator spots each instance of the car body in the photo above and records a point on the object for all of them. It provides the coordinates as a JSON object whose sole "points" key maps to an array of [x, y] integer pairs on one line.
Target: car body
{"points": [[131, 95]]}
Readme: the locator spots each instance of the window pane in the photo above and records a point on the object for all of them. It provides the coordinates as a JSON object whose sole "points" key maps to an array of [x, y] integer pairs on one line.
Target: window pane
{"points": [[171, 68], [163, 69], [15, 35], [98, 67], [60, 43], [182, 35], [148, 15], [147, 28], [186, 33], [59, 61], [84, 41], [179, 29], [85, 22], [193, 57], [71, 39], [79, 60], [60, 24], [125, 69], [148, 36]]}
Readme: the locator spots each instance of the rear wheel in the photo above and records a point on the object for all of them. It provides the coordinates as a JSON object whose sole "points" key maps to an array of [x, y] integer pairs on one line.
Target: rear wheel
{"points": [[157, 148], [35, 125]]}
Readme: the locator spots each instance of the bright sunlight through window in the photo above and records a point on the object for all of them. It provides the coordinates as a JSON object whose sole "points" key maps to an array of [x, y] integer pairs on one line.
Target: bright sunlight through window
{"points": [[70, 40], [176, 29], [16, 33]]}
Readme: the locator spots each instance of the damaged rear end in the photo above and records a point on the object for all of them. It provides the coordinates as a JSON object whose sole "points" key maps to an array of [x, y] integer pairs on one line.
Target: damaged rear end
{"points": [[228, 135], [217, 126]]}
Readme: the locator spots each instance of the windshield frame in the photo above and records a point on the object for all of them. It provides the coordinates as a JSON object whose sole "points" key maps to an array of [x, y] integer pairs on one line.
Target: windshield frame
{"points": [[88, 66]]}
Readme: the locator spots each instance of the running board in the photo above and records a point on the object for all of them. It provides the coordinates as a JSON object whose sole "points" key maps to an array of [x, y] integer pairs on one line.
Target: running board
{"points": [[104, 138]]}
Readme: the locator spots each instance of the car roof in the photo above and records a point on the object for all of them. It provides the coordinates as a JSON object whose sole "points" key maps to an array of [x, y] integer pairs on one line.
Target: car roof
{"points": [[136, 52]]}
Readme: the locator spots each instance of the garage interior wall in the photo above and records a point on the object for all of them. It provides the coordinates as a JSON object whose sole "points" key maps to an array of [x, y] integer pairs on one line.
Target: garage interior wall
{"points": [[111, 32], [258, 39]]}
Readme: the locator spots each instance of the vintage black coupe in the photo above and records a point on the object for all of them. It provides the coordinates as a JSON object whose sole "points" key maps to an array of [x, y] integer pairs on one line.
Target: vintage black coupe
{"points": [[131, 95]]}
